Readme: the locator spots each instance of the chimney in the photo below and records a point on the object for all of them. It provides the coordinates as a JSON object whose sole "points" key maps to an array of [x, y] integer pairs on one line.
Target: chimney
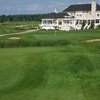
{"points": [[93, 8]]}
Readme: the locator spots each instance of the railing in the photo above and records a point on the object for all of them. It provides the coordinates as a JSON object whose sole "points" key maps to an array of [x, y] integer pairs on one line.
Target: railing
{"points": [[76, 27], [48, 25], [89, 26], [86, 25]]}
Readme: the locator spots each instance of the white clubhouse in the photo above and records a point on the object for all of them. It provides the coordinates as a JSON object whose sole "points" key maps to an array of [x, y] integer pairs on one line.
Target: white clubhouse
{"points": [[73, 17]]}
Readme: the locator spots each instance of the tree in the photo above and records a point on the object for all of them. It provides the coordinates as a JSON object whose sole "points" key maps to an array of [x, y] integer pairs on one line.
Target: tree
{"points": [[83, 24], [3, 18], [92, 25], [27, 17]]}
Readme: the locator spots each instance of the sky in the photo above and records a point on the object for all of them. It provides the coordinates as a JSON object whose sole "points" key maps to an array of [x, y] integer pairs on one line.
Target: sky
{"points": [[13, 7]]}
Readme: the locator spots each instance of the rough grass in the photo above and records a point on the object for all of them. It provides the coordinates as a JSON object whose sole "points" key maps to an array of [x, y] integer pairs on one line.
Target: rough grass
{"points": [[50, 38], [70, 72], [14, 27], [26, 43]]}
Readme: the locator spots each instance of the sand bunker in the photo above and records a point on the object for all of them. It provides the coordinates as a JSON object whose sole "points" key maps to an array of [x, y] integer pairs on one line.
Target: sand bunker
{"points": [[93, 40], [14, 38]]}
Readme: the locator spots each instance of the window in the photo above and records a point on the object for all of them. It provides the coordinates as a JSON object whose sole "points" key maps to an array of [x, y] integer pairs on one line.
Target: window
{"points": [[50, 21], [55, 21], [66, 21], [98, 14], [60, 23], [44, 21], [86, 11], [90, 13], [97, 21], [79, 15]]}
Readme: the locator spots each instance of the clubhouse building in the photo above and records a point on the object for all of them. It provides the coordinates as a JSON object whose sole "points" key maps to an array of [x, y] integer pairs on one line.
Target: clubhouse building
{"points": [[75, 17]]}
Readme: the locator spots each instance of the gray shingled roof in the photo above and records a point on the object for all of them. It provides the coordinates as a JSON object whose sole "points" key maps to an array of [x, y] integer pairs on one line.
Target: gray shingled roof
{"points": [[80, 7], [55, 15]]}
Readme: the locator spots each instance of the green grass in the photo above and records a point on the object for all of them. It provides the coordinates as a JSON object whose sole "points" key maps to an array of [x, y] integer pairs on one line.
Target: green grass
{"points": [[70, 72], [14, 27], [72, 37]]}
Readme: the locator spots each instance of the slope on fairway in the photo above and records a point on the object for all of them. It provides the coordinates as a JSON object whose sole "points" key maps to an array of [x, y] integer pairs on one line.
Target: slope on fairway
{"points": [[50, 73]]}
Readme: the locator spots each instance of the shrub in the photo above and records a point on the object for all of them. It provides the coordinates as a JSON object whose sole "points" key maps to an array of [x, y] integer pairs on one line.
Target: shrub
{"points": [[20, 28], [26, 43], [92, 25], [98, 27], [83, 24]]}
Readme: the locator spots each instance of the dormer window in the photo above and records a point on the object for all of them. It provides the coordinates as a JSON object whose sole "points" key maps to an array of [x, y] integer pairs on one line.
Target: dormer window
{"points": [[98, 15]]}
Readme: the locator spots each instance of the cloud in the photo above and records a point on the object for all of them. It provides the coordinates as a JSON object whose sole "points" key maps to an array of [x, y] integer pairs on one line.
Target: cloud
{"points": [[33, 7], [58, 5]]}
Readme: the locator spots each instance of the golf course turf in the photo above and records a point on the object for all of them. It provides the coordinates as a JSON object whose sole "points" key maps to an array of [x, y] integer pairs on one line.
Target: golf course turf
{"points": [[69, 72]]}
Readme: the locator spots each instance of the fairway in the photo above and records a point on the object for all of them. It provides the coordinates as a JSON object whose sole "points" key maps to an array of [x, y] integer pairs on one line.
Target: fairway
{"points": [[69, 72]]}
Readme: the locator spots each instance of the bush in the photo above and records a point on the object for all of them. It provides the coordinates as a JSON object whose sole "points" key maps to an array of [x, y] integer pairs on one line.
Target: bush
{"points": [[98, 27], [26, 43], [83, 24], [20, 28], [92, 25]]}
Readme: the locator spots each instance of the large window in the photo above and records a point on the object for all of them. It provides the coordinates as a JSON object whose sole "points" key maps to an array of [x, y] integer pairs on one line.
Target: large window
{"points": [[49, 21], [66, 21], [97, 21]]}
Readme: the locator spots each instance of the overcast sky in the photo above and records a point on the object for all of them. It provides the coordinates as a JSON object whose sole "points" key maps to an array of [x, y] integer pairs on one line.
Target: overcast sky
{"points": [[36, 6]]}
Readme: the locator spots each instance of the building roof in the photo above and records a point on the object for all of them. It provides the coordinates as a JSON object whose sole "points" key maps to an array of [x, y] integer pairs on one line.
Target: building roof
{"points": [[55, 15], [80, 7], [98, 7]]}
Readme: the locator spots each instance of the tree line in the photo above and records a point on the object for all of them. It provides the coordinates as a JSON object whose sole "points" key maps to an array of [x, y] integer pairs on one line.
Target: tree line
{"points": [[11, 18]]}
